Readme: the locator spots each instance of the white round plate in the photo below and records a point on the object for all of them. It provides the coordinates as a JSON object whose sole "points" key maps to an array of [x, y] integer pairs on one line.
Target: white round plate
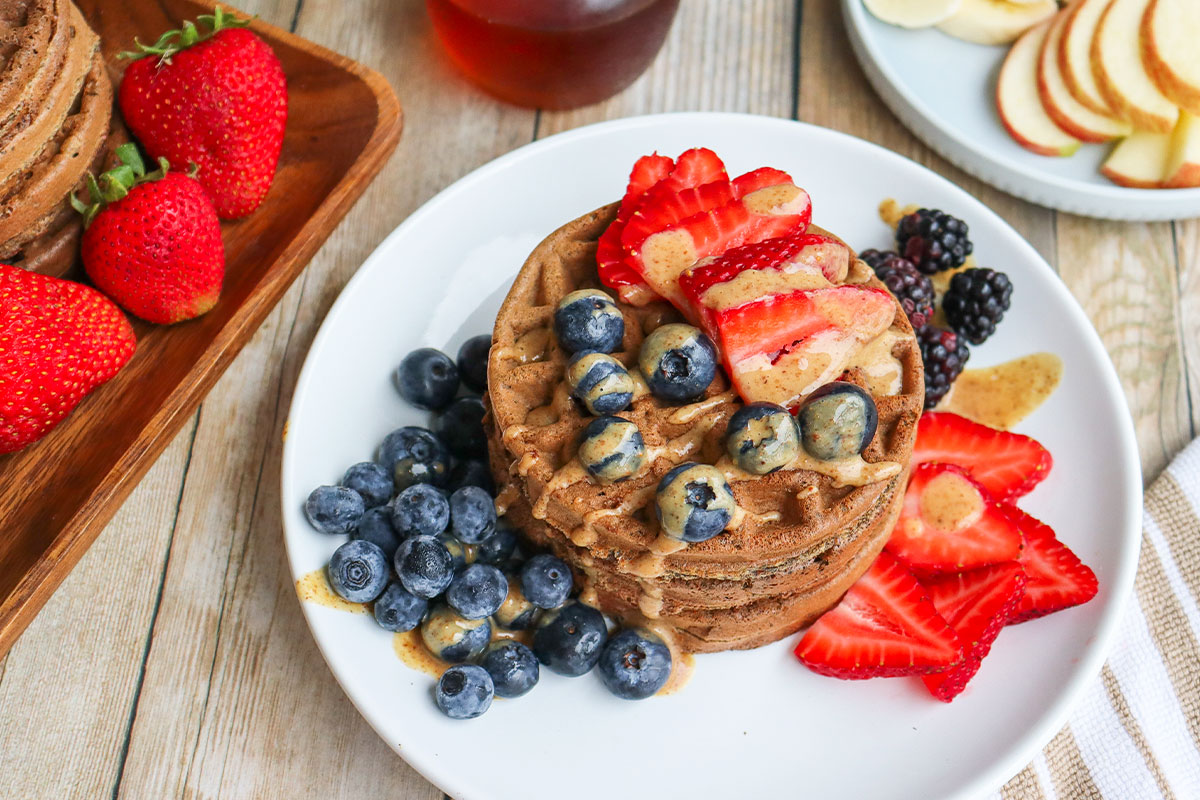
{"points": [[750, 724], [943, 89]]}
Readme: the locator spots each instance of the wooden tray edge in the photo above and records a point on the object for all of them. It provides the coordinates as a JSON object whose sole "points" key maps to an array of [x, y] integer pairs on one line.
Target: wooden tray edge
{"points": [[20, 607]]}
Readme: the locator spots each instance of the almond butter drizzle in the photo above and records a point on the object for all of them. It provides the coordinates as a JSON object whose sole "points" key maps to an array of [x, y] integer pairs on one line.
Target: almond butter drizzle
{"points": [[1003, 395], [754, 284], [531, 347], [314, 588], [685, 414], [847, 472], [572, 472]]}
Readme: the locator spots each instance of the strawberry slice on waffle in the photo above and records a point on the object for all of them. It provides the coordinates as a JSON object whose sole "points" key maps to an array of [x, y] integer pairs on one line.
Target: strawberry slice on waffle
{"points": [[778, 348], [884, 626], [977, 605], [797, 262], [761, 214], [610, 258]]}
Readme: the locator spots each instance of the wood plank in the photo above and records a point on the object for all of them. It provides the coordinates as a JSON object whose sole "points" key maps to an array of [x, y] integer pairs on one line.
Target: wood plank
{"points": [[719, 56], [68, 684], [834, 92], [231, 652], [1124, 276], [1187, 234]]}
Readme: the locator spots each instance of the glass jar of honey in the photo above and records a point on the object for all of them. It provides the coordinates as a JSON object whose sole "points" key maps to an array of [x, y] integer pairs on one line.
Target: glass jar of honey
{"points": [[552, 54]]}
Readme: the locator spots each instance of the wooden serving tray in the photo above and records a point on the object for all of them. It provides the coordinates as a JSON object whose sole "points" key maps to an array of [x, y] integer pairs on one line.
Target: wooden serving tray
{"points": [[55, 496]]}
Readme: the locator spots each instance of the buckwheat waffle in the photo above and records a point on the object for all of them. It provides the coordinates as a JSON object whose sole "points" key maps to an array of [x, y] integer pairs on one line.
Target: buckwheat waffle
{"points": [[805, 536]]}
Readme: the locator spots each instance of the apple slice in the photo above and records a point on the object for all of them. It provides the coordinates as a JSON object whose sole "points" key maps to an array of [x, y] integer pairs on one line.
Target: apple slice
{"points": [[1120, 73], [1183, 163], [1017, 99], [996, 21], [1139, 161], [1075, 55], [913, 13], [1168, 34], [1068, 113]]}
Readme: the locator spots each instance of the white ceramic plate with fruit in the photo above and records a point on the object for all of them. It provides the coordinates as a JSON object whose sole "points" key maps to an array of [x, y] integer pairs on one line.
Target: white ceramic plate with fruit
{"points": [[751, 723], [1086, 131]]}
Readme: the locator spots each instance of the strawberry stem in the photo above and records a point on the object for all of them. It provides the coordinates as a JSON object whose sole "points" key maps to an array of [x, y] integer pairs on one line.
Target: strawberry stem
{"points": [[116, 183], [186, 35]]}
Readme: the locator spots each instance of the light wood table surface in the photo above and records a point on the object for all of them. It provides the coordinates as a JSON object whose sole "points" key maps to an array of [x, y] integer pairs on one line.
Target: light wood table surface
{"points": [[174, 661]]}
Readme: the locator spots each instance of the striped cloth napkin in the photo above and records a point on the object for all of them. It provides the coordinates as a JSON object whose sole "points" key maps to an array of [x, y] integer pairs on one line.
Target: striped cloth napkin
{"points": [[1136, 733]]}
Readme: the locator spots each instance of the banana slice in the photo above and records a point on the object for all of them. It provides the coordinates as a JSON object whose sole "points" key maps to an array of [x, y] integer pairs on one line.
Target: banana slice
{"points": [[913, 13], [996, 21]]}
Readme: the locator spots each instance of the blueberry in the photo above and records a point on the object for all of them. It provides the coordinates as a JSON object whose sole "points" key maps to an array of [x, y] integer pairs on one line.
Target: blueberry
{"points": [[421, 510], [472, 472], [460, 554], [600, 382], [423, 566], [371, 481], [678, 362], [477, 591], [694, 502], [513, 667], [454, 638], [762, 437], [358, 571], [414, 455], [634, 664], [611, 449], [376, 527], [334, 509], [472, 514], [837, 421], [546, 581], [516, 613], [473, 362], [588, 319], [499, 547], [461, 428], [427, 378], [569, 640], [398, 609], [464, 692]]}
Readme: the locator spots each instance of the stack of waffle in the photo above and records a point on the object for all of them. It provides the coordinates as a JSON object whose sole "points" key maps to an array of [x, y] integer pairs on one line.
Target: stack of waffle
{"points": [[55, 120], [806, 536]]}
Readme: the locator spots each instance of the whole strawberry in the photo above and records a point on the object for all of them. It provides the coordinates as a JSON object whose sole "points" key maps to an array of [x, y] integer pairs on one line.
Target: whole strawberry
{"points": [[58, 341], [216, 98], [152, 242]]}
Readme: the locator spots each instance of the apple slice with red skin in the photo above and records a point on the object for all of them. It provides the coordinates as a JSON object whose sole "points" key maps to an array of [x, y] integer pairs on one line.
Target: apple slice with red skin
{"points": [[1020, 107]]}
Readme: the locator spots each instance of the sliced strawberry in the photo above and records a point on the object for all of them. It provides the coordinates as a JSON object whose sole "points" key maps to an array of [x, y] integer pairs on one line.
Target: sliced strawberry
{"points": [[647, 171], [976, 605], [663, 206], [949, 523], [884, 626], [1057, 578], [1007, 464], [696, 167], [781, 347], [804, 252], [762, 214], [757, 179]]}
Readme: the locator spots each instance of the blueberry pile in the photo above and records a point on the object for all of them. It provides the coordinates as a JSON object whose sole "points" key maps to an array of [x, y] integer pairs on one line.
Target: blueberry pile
{"points": [[930, 241], [427, 550]]}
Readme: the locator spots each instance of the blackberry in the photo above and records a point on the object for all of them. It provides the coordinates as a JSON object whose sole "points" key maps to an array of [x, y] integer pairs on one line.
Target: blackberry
{"points": [[933, 240], [913, 289], [875, 257], [976, 301], [944, 355]]}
